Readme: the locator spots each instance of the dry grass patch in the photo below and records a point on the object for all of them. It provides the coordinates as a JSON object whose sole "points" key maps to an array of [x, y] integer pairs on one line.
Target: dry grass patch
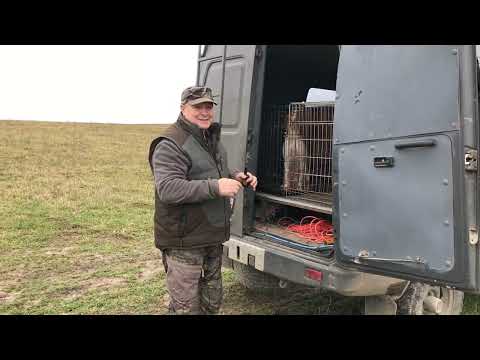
{"points": [[76, 210]]}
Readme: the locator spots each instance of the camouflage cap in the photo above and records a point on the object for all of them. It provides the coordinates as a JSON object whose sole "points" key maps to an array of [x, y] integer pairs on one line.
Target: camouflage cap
{"points": [[197, 95]]}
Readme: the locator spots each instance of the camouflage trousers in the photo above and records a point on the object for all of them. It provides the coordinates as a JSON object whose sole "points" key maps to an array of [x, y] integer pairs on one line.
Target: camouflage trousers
{"points": [[194, 280]]}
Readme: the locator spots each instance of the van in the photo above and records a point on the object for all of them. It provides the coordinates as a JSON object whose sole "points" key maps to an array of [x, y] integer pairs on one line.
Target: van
{"points": [[389, 168]]}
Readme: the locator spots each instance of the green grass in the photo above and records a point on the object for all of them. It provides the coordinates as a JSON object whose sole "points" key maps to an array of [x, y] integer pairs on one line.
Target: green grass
{"points": [[76, 208]]}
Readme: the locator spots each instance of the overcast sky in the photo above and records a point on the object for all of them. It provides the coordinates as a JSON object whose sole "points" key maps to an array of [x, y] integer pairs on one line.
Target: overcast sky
{"points": [[113, 84], [95, 83]]}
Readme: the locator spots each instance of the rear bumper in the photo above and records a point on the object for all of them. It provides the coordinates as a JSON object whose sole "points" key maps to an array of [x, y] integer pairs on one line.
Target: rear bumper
{"points": [[291, 265]]}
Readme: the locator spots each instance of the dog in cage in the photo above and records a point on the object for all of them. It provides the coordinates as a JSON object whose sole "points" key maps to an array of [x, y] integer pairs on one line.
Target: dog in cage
{"points": [[295, 179]]}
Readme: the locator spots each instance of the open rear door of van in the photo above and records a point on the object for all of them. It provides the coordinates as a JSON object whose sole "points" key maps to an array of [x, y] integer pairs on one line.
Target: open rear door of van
{"points": [[236, 75], [405, 163]]}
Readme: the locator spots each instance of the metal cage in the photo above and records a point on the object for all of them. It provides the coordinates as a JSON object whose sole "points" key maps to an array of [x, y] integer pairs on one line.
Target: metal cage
{"points": [[270, 159], [307, 151], [295, 152]]}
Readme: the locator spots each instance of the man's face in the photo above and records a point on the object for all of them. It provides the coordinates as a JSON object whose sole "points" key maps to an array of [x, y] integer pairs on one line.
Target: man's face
{"points": [[199, 114]]}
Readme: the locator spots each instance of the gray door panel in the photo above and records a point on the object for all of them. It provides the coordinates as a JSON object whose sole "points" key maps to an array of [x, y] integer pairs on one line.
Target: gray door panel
{"points": [[398, 91], [407, 211], [239, 66], [411, 203]]}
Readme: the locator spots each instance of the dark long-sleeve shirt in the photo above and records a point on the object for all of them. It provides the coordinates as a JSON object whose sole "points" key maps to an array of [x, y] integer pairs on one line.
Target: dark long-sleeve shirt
{"points": [[170, 168]]}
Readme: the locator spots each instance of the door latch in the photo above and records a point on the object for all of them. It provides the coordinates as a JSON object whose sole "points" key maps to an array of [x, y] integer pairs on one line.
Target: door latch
{"points": [[473, 235], [383, 162], [471, 160]]}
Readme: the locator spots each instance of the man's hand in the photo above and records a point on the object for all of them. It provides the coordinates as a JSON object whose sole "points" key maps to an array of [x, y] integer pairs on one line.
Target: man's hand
{"points": [[228, 187], [250, 180]]}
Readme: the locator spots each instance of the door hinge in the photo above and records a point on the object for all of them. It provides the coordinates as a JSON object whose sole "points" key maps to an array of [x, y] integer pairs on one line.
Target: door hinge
{"points": [[473, 235], [471, 160], [249, 137]]}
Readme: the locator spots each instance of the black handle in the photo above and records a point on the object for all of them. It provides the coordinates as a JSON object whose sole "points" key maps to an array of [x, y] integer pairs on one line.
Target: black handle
{"points": [[416, 144]]}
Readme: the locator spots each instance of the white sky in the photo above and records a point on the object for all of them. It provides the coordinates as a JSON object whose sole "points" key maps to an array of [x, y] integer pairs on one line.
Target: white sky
{"points": [[95, 83]]}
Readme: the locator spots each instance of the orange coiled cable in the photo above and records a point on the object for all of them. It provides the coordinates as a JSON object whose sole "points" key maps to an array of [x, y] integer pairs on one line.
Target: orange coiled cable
{"points": [[310, 228]]}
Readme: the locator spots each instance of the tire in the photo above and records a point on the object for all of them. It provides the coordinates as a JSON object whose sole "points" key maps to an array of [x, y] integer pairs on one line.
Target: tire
{"points": [[255, 280], [418, 296]]}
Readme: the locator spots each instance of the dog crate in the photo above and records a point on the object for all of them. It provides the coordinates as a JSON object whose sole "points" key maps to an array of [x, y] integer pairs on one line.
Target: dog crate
{"points": [[307, 151], [295, 158], [272, 137]]}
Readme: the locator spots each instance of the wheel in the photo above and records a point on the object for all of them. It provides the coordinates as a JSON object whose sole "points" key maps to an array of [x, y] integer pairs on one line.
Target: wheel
{"points": [[253, 279], [423, 299]]}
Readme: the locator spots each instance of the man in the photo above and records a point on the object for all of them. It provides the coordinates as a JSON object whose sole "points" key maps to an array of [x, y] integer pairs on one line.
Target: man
{"points": [[194, 188]]}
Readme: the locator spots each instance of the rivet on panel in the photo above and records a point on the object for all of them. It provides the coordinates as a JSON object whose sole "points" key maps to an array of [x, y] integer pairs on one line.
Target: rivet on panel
{"points": [[446, 223], [345, 214], [372, 148], [342, 150], [445, 182], [454, 51], [344, 183]]}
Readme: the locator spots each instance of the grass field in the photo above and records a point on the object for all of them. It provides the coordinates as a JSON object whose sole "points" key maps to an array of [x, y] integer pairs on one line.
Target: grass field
{"points": [[76, 207]]}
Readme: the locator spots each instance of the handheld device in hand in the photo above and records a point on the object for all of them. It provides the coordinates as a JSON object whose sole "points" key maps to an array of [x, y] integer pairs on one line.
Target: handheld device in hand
{"points": [[244, 181]]}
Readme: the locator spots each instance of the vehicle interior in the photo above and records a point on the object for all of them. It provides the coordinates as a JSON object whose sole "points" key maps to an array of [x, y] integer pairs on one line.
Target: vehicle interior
{"points": [[293, 204]]}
